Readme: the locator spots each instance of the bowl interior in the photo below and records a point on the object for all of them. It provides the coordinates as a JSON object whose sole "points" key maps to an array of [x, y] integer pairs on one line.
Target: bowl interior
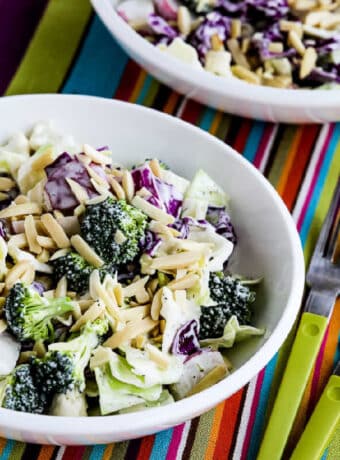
{"points": [[268, 243]]}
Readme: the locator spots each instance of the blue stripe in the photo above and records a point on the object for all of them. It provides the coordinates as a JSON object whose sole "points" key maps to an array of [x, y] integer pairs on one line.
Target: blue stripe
{"points": [[144, 91], [99, 66], [161, 445], [325, 455], [258, 427], [319, 185], [6, 453], [97, 452], [207, 118], [253, 140]]}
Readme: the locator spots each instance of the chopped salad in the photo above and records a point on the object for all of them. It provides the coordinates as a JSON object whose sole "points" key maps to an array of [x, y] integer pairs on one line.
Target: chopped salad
{"points": [[277, 43], [114, 283]]}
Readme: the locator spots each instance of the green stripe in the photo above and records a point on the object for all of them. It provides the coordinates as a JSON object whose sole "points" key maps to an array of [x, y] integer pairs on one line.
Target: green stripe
{"points": [[18, 450], [223, 127], [323, 205], [119, 450], [152, 93], [203, 432], [281, 155], [52, 48]]}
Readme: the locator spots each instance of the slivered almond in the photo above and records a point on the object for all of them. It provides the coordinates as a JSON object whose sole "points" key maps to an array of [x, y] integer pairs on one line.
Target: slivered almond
{"points": [[59, 253], [128, 185], [42, 160], [129, 314], [76, 312], [140, 341], [31, 235], [314, 18], [19, 240], [308, 62], [97, 199], [216, 42], [49, 294], [295, 41], [3, 196], [79, 210], [84, 304], [46, 242], [235, 28], [101, 356], [44, 256], [183, 21], [118, 292], [156, 304], [58, 214], [275, 47], [36, 194], [90, 315], [101, 189], [61, 289], [96, 176], [158, 227], [86, 251], [137, 288], [154, 166], [97, 291], [186, 282], [214, 376], [151, 211], [237, 54], [16, 272], [22, 209], [174, 261], [2, 287], [287, 26], [162, 325], [21, 199], [117, 188], [117, 172], [245, 74], [55, 230], [96, 156], [131, 331], [78, 191], [157, 356], [28, 275], [6, 184]]}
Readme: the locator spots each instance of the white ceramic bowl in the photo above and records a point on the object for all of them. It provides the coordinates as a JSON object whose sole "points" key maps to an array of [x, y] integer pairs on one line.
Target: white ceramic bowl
{"points": [[268, 245], [229, 95]]}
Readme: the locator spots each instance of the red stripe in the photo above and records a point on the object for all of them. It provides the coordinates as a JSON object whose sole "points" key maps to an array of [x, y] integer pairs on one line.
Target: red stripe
{"points": [[263, 145], [302, 155], [228, 424], [315, 176], [146, 448], [74, 453], [192, 111], [252, 415], [128, 81], [242, 135]]}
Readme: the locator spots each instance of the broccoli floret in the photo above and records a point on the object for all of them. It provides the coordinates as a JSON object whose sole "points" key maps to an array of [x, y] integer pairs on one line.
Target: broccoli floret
{"points": [[113, 229], [77, 271], [19, 391], [200, 6], [30, 316], [232, 298], [62, 368]]}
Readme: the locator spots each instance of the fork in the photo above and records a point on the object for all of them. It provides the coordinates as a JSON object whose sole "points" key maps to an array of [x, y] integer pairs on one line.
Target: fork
{"points": [[322, 423], [323, 277]]}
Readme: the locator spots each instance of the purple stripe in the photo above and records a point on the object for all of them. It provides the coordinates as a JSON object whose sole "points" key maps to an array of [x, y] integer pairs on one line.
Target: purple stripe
{"points": [[18, 20], [175, 442]]}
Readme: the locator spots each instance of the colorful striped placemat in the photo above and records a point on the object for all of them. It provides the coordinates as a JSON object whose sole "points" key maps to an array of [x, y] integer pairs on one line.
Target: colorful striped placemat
{"points": [[61, 46]]}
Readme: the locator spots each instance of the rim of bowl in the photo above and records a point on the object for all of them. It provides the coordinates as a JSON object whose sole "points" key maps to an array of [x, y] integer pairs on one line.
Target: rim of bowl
{"points": [[205, 80], [185, 409]]}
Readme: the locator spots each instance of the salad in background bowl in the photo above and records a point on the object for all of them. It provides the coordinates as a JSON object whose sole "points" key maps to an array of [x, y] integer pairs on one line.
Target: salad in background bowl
{"points": [[238, 56], [129, 288]]}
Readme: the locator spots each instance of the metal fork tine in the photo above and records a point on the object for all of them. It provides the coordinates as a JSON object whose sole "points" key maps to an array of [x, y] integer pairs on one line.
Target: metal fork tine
{"points": [[327, 225]]}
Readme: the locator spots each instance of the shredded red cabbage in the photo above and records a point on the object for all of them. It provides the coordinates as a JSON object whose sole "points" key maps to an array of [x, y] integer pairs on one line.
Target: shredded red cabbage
{"points": [[186, 339], [220, 219], [149, 243]]}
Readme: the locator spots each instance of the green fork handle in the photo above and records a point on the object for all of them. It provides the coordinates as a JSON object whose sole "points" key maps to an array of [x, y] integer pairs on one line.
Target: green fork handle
{"points": [[300, 364], [322, 424]]}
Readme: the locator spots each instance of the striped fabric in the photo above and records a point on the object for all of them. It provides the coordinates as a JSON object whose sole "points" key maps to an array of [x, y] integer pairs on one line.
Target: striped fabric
{"points": [[60, 46]]}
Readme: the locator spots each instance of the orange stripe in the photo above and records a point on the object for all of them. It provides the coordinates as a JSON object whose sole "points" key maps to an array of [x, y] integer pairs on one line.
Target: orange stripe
{"points": [[330, 348], [138, 86], [108, 451], [289, 161], [171, 104], [212, 438], [146, 448], [300, 160], [46, 452], [216, 123], [229, 421], [3, 442]]}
